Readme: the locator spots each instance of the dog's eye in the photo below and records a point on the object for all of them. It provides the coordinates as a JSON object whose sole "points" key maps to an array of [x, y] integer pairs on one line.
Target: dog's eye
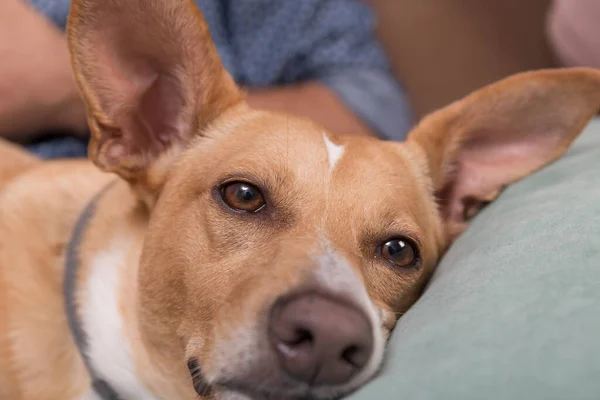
{"points": [[400, 252], [243, 196]]}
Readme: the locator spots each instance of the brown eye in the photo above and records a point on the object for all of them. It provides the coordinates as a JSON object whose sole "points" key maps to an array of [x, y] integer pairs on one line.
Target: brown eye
{"points": [[400, 252], [243, 196]]}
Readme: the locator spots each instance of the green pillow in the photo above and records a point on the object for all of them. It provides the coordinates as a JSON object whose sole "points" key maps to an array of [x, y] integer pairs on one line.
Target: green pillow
{"points": [[513, 311]]}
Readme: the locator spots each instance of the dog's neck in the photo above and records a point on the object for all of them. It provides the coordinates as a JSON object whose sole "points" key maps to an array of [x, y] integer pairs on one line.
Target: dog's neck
{"points": [[129, 346]]}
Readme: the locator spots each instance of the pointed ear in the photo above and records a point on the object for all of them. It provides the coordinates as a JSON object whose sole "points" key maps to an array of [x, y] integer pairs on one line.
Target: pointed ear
{"points": [[150, 76], [501, 133]]}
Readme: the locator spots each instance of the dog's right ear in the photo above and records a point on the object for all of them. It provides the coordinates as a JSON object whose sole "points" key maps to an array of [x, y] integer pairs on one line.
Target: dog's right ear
{"points": [[150, 76], [476, 146]]}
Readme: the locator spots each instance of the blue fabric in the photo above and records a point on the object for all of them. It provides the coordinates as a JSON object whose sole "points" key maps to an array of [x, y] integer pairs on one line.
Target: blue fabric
{"points": [[277, 42], [60, 147]]}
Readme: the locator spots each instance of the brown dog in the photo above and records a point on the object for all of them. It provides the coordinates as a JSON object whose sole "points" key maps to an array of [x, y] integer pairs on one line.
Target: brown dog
{"points": [[231, 253]]}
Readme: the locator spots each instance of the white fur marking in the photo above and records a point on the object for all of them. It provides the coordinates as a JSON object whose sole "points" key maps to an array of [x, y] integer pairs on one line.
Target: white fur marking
{"points": [[108, 347], [335, 274], [334, 152]]}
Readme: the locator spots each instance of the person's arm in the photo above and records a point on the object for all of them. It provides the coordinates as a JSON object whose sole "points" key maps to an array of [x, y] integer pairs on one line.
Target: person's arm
{"points": [[37, 90], [313, 100]]}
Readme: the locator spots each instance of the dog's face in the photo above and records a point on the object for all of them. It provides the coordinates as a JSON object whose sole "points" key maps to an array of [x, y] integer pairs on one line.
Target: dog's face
{"points": [[279, 255], [283, 230]]}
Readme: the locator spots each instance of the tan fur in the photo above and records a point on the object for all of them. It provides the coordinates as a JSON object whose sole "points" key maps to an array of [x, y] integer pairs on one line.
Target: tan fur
{"points": [[197, 279], [16, 161], [37, 213]]}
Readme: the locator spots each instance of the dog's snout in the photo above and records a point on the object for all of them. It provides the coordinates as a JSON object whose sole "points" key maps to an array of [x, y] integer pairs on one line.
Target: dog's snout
{"points": [[320, 340]]}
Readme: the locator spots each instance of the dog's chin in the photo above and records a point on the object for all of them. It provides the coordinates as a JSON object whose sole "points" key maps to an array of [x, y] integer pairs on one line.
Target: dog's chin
{"points": [[246, 389], [233, 391]]}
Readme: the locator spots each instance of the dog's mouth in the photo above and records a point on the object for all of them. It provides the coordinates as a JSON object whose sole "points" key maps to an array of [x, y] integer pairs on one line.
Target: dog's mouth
{"points": [[250, 392]]}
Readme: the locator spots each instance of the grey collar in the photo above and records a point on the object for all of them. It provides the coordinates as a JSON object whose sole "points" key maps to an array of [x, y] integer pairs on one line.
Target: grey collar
{"points": [[100, 386]]}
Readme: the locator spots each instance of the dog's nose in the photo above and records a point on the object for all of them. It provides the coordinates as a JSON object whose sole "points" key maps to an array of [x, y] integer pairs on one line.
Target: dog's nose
{"points": [[320, 340]]}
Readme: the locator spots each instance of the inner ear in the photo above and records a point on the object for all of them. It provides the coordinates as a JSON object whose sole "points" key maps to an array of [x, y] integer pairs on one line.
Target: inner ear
{"points": [[160, 112], [472, 206], [467, 191], [148, 127]]}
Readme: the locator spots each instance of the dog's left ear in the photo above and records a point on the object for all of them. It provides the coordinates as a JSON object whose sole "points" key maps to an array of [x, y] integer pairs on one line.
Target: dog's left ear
{"points": [[151, 78], [501, 133]]}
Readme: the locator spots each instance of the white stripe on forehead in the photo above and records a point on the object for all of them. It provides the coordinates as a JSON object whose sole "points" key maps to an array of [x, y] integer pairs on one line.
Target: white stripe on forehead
{"points": [[334, 152]]}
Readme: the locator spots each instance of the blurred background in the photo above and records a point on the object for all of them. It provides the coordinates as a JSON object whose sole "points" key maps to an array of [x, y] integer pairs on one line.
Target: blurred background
{"points": [[371, 67], [444, 49]]}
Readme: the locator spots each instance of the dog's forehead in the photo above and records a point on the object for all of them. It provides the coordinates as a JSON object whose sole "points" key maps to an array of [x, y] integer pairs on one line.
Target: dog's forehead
{"points": [[272, 143], [297, 156]]}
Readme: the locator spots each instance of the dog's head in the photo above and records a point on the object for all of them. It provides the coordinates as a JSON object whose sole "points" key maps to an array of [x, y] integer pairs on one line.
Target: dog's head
{"points": [[279, 255]]}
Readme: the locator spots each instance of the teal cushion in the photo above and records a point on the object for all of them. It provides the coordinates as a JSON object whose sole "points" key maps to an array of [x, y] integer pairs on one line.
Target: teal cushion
{"points": [[513, 311]]}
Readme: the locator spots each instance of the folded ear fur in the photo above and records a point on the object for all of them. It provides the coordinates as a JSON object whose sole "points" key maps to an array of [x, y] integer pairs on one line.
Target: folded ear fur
{"points": [[501, 133], [150, 76]]}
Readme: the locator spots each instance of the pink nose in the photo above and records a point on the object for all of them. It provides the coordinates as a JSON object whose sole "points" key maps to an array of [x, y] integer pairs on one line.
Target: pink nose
{"points": [[320, 340]]}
